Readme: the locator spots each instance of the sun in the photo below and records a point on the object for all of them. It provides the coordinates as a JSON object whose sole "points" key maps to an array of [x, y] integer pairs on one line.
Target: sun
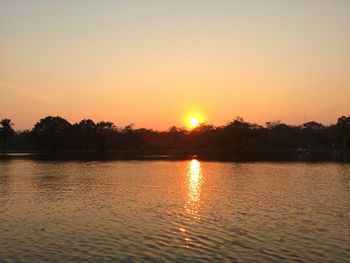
{"points": [[193, 120]]}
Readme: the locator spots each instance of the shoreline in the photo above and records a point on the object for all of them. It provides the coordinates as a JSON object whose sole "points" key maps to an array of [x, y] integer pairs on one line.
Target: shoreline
{"points": [[292, 155]]}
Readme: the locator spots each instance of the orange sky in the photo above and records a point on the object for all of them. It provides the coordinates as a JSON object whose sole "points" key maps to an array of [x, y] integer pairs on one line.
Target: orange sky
{"points": [[152, 62]]}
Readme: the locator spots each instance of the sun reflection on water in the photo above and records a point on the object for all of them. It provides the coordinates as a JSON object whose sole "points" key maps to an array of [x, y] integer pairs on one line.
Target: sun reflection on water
{"points": [[194, 180]]}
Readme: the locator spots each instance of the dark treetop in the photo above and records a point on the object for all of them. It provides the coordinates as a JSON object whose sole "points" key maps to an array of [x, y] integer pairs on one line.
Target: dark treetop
{"points": [[55, 134]]}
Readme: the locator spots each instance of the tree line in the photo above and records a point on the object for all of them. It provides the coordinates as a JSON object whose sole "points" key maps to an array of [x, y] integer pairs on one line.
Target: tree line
{"points": [[54, 133]]}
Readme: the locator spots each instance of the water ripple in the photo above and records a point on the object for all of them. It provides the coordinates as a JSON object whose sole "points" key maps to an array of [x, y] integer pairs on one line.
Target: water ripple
{"points": [[164, 211]]}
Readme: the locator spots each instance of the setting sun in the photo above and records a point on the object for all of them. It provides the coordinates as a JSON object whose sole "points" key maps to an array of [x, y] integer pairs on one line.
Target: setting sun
{"points": [[193, 120], [178, 131]]}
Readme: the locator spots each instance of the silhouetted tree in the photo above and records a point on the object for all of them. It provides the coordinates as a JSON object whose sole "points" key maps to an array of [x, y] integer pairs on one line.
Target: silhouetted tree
{"points": [[312, 125], [312, 132], [23, 140], [55, 133], [239, 131], [84, 134], [50, 132], [130, 137], [104, 131], [176, 136], [6, 131], [272, 124], [343, 129]]}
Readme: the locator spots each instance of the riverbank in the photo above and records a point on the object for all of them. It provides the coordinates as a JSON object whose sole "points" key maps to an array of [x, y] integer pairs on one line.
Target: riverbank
{"points": [[171, 154]]}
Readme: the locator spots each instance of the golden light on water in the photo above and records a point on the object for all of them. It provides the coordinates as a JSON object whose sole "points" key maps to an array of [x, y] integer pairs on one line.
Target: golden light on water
{"points": [[194, 181]]}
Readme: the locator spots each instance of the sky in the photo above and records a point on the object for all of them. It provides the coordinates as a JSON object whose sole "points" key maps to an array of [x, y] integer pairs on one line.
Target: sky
{"points": [[152, 63]]}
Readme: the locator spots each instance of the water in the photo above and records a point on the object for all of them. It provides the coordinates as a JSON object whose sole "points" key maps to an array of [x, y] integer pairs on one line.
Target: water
{"points": [[174, 211]]}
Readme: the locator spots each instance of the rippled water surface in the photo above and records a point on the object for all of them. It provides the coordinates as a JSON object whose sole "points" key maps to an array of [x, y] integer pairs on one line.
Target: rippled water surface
{"points": [[174, 211]]}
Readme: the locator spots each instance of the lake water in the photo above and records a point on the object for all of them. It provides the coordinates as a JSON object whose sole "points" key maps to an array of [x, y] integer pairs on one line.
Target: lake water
{"points": [[181, 211]]}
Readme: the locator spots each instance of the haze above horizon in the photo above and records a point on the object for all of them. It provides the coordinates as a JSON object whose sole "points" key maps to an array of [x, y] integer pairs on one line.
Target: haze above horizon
{"points": [[151, 63]]}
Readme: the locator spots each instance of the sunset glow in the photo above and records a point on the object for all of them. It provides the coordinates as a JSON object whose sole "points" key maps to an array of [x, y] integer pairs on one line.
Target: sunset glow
{"points": [[193, 120], [180, 131], [145, 63]]}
